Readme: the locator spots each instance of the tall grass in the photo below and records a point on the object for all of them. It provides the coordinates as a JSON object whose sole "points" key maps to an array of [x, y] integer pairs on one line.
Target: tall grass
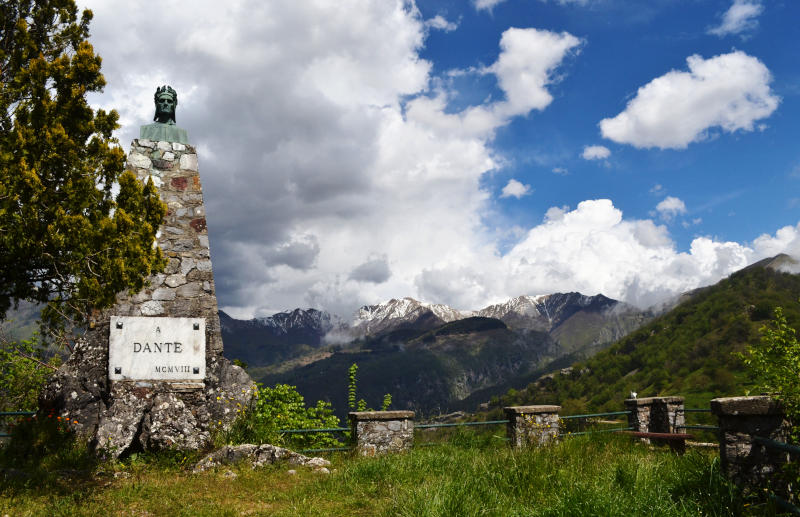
{"points": [[470, 474]]}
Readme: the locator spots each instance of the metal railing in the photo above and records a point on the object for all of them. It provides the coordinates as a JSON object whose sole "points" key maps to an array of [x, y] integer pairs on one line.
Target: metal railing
{"points": [[588, 416], [785, 447], [699, 427], [320, 430]]}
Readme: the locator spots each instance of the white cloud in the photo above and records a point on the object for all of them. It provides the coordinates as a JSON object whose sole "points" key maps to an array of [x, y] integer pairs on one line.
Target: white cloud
{"points": [[593, 249], [526, 66], [595, 152], [486, 4], [489, 4], [657, 189], [729, 91], [440, 23], [319, 173], [339, 124], [562, 171], [515, 189], [670, 207], [739, 18]]}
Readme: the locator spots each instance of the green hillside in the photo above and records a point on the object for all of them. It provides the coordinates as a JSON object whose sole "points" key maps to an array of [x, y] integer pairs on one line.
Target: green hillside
{"points": [[429, 371], [689, 351]]}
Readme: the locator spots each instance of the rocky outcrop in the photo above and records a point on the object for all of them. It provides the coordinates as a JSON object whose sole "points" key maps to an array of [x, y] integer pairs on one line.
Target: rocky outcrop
{"points": [[256, 456]]}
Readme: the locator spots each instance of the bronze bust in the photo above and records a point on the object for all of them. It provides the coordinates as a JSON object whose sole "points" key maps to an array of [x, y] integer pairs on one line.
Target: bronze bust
{"points": [[163, 128]]}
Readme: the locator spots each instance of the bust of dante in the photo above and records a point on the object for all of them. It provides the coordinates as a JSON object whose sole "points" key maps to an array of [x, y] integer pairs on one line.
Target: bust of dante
{"points": [[163, 128]]}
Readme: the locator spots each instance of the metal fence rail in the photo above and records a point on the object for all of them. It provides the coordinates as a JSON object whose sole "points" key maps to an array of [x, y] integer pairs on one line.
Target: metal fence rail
{"points": [[460, 424], [786, 447], [594, 415], [781, 446], [320, 430]]}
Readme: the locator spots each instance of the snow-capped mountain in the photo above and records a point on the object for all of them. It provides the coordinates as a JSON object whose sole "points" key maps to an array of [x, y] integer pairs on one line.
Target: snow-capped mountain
{"points": [[546, 312], [278, 337], [566, 316], [372, 319]]}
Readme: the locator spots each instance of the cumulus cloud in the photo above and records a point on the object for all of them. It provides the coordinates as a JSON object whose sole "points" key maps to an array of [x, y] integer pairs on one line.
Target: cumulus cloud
{"points": [[670, 207], [741, 17], [336, 142], [594, 249], [337, 157], [440, 23], [730, 92], [561, 171], [595, 152], [515, 189], [526, 66]]}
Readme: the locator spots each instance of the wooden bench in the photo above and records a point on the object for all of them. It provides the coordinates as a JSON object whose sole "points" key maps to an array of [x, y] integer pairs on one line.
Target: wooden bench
{"points": [[676, 441]]}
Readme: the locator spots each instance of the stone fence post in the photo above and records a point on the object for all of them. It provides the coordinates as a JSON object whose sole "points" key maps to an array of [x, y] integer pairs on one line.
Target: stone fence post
{"points": [[656, 414], [531, 425], [741, 419], [378, 432]]}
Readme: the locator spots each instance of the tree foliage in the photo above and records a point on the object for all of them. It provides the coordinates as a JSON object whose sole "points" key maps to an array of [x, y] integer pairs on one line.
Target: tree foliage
{"points": [[279, 408], [24, 369], [692, 351], [775, 363], [66, 239]]}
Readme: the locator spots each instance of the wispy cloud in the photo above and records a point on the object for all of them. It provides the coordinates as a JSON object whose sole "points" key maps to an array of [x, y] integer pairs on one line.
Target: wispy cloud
{"points": [[740, 18]]}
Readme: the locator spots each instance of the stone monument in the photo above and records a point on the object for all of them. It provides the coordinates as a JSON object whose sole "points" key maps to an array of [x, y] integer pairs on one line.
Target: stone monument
{"points": [[149, 372]]}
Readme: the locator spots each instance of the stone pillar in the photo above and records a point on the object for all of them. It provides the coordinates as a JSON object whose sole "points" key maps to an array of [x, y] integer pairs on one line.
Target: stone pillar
{"points": [[121, 412], [656, 414], [379, 432], [531, 425], [741, 419]]}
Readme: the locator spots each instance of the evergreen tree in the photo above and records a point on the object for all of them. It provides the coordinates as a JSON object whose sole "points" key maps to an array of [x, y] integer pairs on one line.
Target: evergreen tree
{"points": [[65, 238]]}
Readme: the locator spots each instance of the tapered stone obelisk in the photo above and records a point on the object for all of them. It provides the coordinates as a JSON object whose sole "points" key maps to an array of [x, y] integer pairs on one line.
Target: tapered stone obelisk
{"points": [[149, 373]]}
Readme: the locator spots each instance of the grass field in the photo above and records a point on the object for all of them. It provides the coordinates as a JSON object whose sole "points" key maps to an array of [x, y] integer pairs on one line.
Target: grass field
{"points": [[469, 475]]}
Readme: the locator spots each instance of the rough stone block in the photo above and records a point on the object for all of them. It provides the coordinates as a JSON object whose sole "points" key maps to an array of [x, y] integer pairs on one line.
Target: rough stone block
{"points": [[189, 162], [379, 432], [152, 308], [164, 293], [190, 290], [187, 264], [531, 425], [175, 280]]}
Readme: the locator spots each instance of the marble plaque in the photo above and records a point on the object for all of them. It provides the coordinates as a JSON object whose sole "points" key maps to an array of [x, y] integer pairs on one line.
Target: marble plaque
{"points": [[149, 348]]}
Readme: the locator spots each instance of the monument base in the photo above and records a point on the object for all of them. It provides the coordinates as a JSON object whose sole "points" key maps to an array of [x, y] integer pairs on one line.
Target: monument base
{"points": [[149, 399]]}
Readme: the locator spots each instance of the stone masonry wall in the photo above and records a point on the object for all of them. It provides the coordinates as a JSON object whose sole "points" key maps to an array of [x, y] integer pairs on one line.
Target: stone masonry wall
{"points": [[745, 461], [656, 415], [129, 415], [531, 425], [380, 432]]}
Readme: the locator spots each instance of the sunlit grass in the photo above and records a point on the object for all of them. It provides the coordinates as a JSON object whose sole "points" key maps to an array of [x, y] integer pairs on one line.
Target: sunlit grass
{"points": [[470, 474]]}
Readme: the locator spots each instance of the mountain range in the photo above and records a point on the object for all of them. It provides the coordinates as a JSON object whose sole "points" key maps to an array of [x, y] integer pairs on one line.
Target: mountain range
{"points": [[694, 350], [430, 357]]}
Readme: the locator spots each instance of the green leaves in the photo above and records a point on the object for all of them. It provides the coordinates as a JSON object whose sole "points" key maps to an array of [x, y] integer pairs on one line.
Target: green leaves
{"points": [[775, 363], [66, 240], [279, 408], [23, 371]]}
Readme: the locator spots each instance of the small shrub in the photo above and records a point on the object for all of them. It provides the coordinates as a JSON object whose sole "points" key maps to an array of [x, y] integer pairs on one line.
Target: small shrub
{"points": [[23, 373], [279, 408]]}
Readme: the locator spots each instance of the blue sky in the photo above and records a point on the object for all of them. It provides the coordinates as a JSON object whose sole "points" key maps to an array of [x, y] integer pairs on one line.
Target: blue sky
{"points": [[467, 152], [739, 184]]}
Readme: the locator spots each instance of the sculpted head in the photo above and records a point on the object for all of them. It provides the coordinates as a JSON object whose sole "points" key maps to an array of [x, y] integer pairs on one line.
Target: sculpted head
{"points": [[166, 100]]}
